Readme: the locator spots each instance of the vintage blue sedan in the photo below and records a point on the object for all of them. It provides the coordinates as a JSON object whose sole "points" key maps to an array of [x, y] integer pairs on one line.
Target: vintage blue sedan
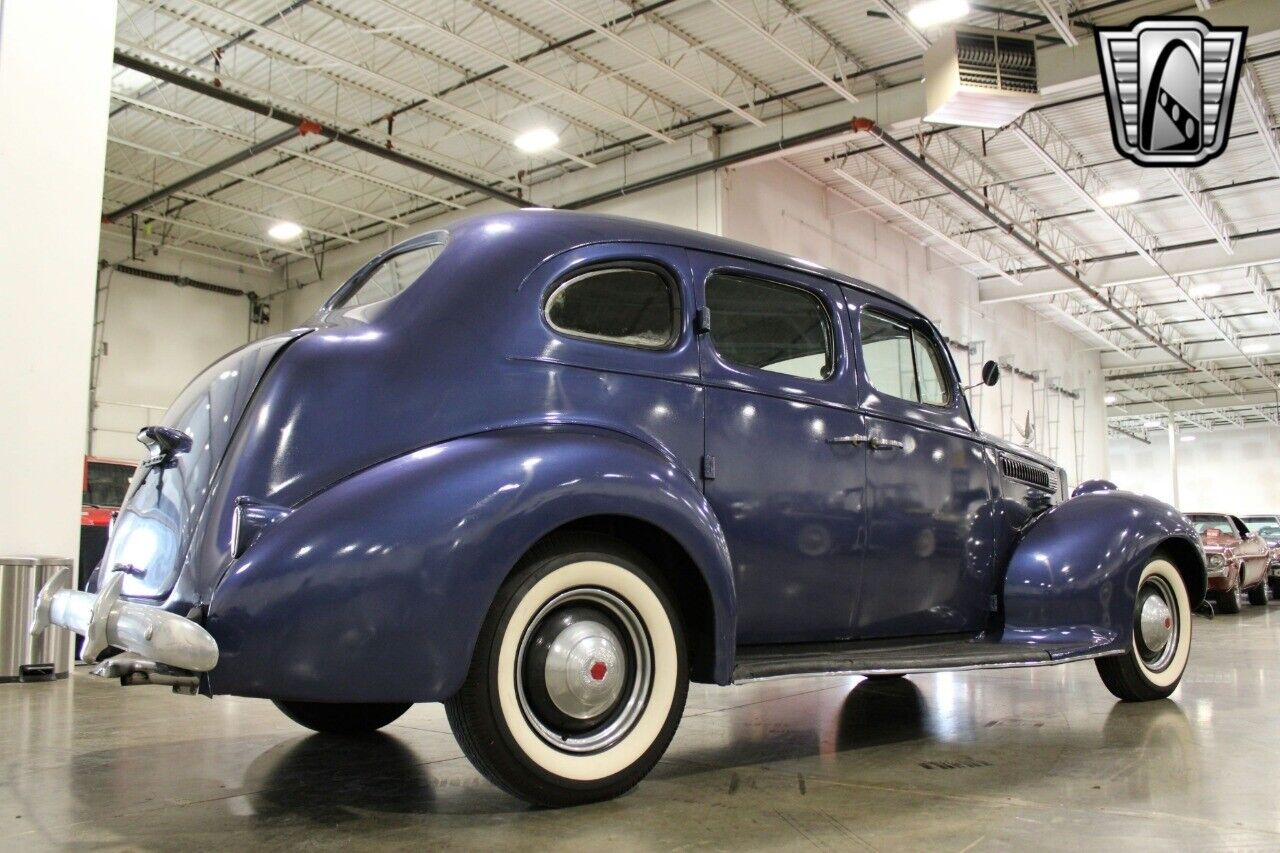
{"points": [[548, 467]]}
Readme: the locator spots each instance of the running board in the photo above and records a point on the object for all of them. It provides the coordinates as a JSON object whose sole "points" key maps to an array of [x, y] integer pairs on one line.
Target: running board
{"points": [[894, 657]]}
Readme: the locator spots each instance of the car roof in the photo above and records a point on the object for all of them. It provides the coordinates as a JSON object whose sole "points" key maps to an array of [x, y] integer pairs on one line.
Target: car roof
{"points": [[555, 231]]}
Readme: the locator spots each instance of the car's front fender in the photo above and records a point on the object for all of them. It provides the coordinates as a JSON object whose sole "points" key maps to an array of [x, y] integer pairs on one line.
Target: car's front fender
{"points": [[1073, 574], [375, 589]]}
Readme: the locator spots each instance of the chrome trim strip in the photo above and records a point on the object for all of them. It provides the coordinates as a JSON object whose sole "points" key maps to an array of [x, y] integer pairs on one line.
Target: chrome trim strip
{"points": [[918, 671]]}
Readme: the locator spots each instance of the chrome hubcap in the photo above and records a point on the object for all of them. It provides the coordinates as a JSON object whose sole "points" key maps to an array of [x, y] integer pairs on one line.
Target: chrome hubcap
{"points": [[1156, 624], [583, 670]]}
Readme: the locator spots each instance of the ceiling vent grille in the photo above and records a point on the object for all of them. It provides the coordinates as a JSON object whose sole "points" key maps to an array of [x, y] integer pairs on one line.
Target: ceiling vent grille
{"points": [[980, 78]]}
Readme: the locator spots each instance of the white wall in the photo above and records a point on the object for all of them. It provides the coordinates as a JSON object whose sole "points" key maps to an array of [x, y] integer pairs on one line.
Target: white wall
{"points": [[158, 336], [55, 69], [779, 207], [1227, 470]]}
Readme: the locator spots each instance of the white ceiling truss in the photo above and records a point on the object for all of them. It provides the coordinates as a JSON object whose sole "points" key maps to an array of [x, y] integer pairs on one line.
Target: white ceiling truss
{"points": [[1180, 282]]}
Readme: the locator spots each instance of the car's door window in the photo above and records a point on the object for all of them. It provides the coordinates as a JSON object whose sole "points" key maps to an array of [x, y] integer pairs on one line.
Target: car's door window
{"points": [[902, 362], [625, 304], [930, 382], [769, 326]]}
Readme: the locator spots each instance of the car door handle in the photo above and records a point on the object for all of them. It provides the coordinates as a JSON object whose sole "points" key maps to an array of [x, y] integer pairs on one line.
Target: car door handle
{"points": [[855, 440], [878, 443]]}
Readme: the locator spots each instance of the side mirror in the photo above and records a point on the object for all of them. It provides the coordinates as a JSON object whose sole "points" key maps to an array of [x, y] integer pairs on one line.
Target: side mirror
{"points": [[990, 375]]}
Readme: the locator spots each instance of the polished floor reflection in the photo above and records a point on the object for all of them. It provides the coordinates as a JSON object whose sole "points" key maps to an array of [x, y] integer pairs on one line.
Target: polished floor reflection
{"points": [[1008, 759]]}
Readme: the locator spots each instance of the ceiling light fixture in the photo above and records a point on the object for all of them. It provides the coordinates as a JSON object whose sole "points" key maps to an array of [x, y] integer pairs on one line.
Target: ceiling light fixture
{"points": [[536, 140], [1205, 289], [284, 231], [1188, 438], [1257, 346], [1152, 424], [1119, 197], [932, 13], [1110, 399]]}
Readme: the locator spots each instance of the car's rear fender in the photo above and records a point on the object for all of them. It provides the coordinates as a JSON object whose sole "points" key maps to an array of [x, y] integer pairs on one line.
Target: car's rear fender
{"points": [[375, 589], [1073, 574]]}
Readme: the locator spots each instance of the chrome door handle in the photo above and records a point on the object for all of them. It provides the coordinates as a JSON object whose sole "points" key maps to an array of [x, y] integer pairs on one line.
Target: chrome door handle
{"points": [[855, 440], [878, 443]]}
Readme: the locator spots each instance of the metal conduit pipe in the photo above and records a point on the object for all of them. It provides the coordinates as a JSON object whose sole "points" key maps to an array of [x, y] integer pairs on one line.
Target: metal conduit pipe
{"points": [[334, 134], [869, 126]]}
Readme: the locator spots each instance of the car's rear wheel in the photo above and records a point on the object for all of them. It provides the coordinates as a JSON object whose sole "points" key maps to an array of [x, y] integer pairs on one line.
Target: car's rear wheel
{"points": [[1160, 642], [1260, 594], [1229, 601], [343, 718], [579, 675]]}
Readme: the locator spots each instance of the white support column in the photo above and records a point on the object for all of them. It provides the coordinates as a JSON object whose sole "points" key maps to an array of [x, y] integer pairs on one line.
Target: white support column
{"points": [[1173, 462], [55, 76]]}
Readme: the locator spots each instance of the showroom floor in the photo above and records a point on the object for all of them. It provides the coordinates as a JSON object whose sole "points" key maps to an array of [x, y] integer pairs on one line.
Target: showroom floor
{"points": [[964, 761]]}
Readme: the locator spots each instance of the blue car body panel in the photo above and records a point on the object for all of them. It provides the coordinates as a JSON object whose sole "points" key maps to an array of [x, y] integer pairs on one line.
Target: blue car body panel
{"points": [[409, 587], [1073, 573], [422, 444]]}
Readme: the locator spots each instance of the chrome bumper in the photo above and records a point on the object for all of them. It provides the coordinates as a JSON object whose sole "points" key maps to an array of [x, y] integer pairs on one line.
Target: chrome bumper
{"points": [[160, 647]]}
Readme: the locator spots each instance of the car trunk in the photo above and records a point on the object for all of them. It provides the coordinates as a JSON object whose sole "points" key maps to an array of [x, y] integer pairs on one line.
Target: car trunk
{"points": [[164, 502]]}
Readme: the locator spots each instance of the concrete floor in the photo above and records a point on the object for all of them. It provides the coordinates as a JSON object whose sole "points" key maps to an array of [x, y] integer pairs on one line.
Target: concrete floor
{"points": [[1005, 759]]}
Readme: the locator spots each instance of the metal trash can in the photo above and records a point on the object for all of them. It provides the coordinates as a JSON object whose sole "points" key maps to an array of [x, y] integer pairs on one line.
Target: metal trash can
{"points": [[23, 657]]}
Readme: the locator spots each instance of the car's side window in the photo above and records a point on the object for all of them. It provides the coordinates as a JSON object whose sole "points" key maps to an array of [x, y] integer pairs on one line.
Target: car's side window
{"points": [[765, 325], [631, 304], [901, 361]]}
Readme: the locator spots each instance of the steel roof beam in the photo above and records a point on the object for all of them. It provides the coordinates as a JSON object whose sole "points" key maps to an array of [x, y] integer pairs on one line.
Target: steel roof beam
{"points": [[332, 133], [950, 228], [670, 69], [1061, 157], [524, 69], [777, 44], [1060, 23], [1188, 183], [453, 112]]}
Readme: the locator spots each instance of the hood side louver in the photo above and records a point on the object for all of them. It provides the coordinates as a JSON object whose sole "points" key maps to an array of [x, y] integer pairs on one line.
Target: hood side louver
{"points": [[1026, 472]]}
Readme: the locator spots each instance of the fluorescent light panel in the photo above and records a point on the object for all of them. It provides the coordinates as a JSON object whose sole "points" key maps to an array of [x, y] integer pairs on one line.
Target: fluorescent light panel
{"points": [[284, 231], [1119, 196], [932, 13], [536, 140]]}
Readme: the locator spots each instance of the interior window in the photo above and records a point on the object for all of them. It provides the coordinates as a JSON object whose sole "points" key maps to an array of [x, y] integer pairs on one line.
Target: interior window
{"points": [[630, 305], [902, 362], [1220, 523], [393, 275], [769, 326]]}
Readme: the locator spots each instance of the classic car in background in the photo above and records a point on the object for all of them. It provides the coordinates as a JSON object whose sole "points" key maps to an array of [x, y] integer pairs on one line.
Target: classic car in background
{"points": [[1239, 560], [1268, 527], [547, 467], [105, 484]]}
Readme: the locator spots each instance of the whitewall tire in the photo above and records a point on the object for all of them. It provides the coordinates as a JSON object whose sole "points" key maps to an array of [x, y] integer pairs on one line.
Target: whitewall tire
{"points": [[579, 676], [1160, 641]]}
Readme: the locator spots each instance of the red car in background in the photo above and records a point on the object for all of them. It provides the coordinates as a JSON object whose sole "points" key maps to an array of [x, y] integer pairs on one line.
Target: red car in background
{"points": [[1268, 527], [102, 493], [1238, 560]]}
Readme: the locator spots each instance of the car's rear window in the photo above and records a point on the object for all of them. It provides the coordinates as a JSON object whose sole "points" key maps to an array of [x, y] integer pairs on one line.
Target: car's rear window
{"points": [[631, 304], [394, 274]]}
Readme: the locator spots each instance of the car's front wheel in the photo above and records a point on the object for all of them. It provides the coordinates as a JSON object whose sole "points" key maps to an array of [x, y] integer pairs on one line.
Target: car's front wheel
{"points": [[579, 676], [1160, 644], [343, 718]]}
